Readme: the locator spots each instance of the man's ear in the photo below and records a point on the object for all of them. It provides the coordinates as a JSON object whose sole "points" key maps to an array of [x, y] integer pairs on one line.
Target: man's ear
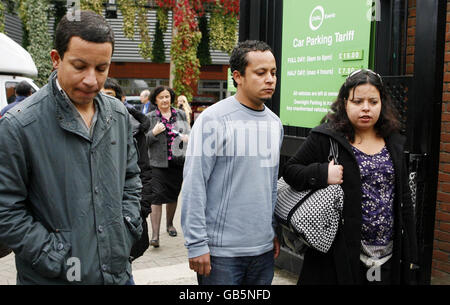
{"points": [[56, 59], [237, 77]]}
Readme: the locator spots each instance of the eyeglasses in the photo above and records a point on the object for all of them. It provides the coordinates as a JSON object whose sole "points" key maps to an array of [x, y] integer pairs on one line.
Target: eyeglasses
{"points": [[362, 70]]}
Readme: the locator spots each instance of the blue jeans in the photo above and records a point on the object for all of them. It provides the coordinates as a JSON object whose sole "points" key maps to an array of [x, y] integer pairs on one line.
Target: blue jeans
{"points": [[245, 270]]}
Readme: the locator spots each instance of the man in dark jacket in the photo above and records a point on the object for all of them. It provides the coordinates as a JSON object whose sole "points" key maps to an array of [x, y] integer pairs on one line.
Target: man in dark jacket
{"points": [[69, 179], [141, 125], [23, 90]]}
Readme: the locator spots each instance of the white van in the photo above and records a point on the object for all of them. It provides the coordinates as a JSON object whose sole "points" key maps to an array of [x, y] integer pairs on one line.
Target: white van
{"points": [[16, 65]]}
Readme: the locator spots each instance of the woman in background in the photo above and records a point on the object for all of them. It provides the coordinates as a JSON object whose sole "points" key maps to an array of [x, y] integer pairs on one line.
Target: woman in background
{"points": [[167, 141], [183, 104]]}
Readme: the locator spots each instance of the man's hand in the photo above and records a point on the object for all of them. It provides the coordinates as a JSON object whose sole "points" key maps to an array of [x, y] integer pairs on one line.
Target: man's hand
{"points": [[201, 264], [276, 247]]}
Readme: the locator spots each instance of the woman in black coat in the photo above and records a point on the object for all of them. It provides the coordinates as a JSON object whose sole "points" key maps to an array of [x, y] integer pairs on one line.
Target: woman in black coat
{"points": [[376, 239], [141, 125]]}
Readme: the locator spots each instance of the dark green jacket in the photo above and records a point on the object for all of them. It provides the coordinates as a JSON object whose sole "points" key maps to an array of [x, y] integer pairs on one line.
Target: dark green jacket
{"points": [[69, 205]]}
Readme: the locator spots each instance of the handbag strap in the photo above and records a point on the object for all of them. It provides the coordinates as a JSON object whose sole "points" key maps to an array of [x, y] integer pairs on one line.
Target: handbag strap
{"points": [[334, 151]]}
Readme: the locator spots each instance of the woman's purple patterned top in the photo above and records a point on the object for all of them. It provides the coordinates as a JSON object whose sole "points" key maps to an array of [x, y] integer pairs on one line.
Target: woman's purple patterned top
{"points": [[170, 124], [378, 190]]}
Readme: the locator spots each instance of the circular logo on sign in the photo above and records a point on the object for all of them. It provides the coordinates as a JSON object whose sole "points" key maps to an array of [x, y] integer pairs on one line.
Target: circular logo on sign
{"points": [[316, 18]]}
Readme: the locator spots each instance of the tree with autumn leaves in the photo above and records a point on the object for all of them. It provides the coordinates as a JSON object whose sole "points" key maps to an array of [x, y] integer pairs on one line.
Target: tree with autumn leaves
{"points": [[186, 13], [184, 49], [187, 36]]}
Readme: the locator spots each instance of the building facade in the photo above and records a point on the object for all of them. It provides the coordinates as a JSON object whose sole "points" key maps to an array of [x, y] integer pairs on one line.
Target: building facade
{"points": [[135, 73]]}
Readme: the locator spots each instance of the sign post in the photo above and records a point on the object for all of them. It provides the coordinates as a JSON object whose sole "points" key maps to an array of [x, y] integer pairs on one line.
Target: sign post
{"points": [[231, 88], [323, 42]]}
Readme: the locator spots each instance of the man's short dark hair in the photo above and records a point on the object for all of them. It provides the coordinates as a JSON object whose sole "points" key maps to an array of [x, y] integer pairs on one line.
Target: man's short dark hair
{"points": [[23, 89], [238, 59], [111, 83], [90, 27]]}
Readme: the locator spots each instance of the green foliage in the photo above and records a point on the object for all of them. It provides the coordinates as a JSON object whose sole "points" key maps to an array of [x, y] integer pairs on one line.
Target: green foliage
{"points": [[223, 29], [128, 9], [2, 17], [145, 47], [6, 6], [59, 10], [10, 5], [25, 37], [203, 53], [34, 15], [92, 5], [23, 17], [158, 55], [163, 16]]}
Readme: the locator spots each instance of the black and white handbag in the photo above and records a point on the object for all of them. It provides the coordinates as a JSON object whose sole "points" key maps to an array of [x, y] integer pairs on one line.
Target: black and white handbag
{"points": [[310, 218]]}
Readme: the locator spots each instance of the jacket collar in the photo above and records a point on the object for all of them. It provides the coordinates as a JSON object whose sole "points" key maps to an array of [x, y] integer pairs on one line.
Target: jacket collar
{"points": [[67, 119], [154, 114], [394, 142], [334, 134]]}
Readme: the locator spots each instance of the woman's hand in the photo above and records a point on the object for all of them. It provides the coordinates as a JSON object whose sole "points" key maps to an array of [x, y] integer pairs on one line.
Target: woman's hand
{"points": [[335, 173], [158, 129]]}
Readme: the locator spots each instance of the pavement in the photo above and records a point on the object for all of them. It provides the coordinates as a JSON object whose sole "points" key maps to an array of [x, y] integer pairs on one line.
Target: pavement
{"points": [[166, 265]]}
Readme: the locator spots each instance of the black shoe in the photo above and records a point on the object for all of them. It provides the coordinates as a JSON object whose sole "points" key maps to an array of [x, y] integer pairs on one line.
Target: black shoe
{"points": [[154, 243], [172, 231]]}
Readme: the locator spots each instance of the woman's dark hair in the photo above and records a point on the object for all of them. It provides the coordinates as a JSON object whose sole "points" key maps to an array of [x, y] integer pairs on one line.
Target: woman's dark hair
{"points": [[387, 122], [160, 89], [90, 27]]}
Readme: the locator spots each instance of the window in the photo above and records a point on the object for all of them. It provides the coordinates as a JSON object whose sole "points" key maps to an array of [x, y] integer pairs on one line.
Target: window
{"points": [[10, 88], [216, 90], [134, 86]]}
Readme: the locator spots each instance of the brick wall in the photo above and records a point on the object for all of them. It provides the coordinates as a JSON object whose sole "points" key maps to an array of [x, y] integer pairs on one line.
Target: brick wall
{"points": [[411, 37], [441, 245]]}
